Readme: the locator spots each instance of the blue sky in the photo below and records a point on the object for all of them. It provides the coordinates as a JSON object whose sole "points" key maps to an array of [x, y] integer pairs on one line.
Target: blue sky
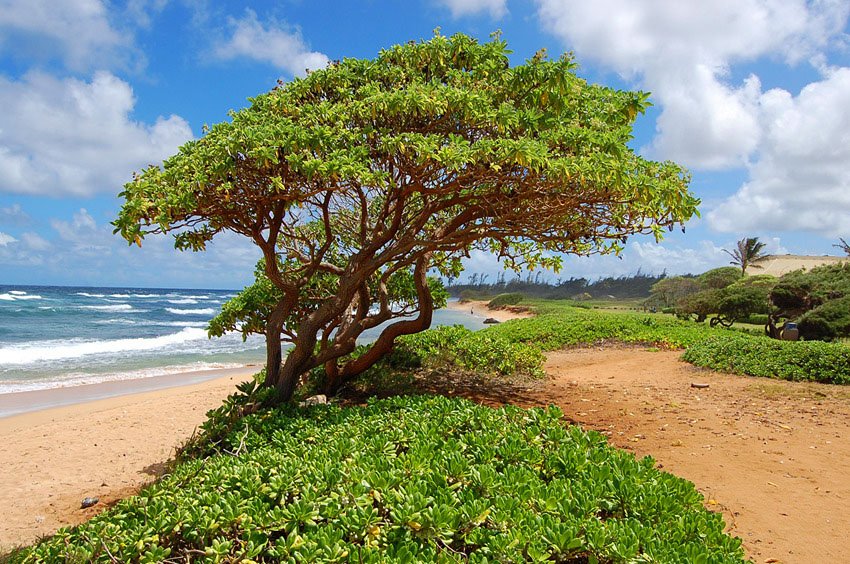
{"points": [[753, 96]]}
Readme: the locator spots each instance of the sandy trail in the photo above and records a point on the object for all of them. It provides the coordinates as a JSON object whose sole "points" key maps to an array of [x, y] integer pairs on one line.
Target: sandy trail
{"points": [[771, 455]]}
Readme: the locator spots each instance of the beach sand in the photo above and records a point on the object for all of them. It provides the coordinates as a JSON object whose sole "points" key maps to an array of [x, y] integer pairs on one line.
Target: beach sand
{"points": [[479, 309], [107, 448]]}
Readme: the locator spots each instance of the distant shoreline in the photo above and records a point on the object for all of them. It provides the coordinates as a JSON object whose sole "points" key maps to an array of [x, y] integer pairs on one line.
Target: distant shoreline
{"points": [[20, 403]]}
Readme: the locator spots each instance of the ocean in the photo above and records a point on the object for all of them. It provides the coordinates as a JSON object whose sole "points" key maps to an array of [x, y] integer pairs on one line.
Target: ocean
{"points": [[56, 337]]}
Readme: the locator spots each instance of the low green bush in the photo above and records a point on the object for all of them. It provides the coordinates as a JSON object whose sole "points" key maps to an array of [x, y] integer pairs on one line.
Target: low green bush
{"points": [[570, 327], [756, 319], [408, 479], [828, 321], [483, 351], [503, 300], [788, 360]]}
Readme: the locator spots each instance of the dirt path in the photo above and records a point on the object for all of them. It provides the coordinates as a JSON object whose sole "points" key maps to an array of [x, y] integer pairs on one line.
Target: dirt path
{"points": [[771, 455]]}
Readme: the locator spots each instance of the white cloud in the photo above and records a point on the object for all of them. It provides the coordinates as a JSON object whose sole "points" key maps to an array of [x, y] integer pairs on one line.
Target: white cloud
{"points": [[75, 137], [460, 8], [683, 53], [78, 32], [6, 239], [801, 179], [13, 215], [35, 242], [274, 43]]}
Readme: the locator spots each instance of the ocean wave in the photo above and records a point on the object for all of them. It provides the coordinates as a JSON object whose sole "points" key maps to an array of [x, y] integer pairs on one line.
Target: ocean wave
{"points": [[87, 295], [14, 296], [40, 351], [125, 321], [82, 378], [115, 307], [120, 296], [178, 311], [186, 301], [146, 295]]}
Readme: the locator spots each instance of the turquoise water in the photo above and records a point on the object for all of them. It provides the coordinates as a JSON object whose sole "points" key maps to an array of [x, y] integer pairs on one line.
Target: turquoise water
{"points": [[54, 336]]}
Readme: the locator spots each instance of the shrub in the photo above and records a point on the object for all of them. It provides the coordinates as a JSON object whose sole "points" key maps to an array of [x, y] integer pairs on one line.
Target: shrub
{"points": [[408, 479], [828, 321], [787, 360], [483, 351], [719, 278], [503, 300]]}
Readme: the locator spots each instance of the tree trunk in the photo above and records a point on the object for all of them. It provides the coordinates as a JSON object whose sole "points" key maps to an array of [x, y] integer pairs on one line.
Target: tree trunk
{"points": [[385, 342]]}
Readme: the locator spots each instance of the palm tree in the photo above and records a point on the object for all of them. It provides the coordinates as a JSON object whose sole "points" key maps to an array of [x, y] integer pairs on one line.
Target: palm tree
{"points": [[844, 246], [748, 251]]}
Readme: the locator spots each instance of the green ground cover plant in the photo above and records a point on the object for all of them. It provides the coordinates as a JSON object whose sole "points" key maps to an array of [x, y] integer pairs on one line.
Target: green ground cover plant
{"points": [[407, 479], [509, 299], [788, 360], [557, 327]]}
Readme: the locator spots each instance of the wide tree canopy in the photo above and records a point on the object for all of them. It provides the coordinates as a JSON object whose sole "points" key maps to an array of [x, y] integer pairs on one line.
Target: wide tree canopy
{"points": [[400, 166]]}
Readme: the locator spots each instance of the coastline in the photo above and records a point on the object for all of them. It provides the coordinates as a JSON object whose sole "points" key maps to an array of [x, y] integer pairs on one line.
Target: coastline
{"points": [[478, 308], [105, 448], [17, 403]]}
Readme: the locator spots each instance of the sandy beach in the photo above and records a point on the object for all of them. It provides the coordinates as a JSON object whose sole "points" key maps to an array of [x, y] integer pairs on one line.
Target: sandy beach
{"points": [[107, 448], [479, 309]]}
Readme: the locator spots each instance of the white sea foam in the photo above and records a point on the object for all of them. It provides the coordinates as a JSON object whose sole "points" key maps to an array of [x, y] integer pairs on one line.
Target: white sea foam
{"points": [[13, 296], [40, 351], [116, 307], [183, 301], [119, 295], [87, 295], [82, 378], [146, 295], [178, 311], [125, 321]]}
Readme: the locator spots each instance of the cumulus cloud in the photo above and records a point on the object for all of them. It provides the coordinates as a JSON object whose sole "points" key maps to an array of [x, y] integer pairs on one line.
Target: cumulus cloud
{"points": [[461, 8], [69, 136], [683, 53], [6, 239], [273, 42], [800, 180], [77, 32], [82, 249]]}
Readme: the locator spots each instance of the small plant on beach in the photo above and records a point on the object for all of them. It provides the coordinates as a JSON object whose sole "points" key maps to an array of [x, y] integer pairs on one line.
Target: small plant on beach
{"points": [[403, 165]]}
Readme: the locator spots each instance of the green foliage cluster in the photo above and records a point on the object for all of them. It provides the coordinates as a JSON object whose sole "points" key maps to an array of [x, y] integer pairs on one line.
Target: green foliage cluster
{"points": [[788, 360], [819, 300], [483, 351], [408, 479], [573, 326], [502, 300], [724, 293], [828, 321]]}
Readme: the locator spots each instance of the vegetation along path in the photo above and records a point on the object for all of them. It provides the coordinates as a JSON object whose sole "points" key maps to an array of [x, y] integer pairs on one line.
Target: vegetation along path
{"points": [[771, 455]]}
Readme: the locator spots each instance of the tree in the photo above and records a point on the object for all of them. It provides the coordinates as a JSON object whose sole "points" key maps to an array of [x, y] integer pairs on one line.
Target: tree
{"points": [[816, 299], [405, 164], [747, 251], [668, 291], [843, 245]]}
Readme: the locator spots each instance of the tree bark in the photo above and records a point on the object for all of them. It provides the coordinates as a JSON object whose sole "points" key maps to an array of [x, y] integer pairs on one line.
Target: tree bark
{"points": [[383, 345]]}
